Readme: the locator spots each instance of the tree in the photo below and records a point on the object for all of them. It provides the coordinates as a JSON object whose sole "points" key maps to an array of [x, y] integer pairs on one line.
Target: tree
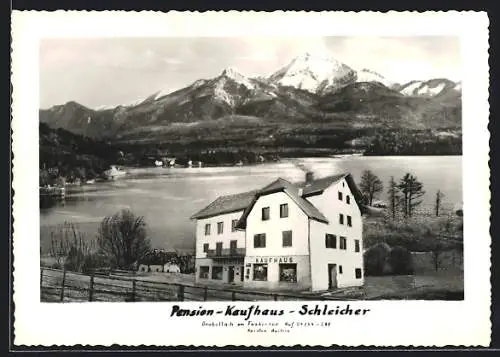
{"points": [[370, 185], [437, 204], [411, 190], [122, 238], [393, 197], [71, 249]]}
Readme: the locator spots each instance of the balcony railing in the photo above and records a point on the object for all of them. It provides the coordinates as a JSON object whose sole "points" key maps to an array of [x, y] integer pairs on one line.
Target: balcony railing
{"points": [[226, 253]]}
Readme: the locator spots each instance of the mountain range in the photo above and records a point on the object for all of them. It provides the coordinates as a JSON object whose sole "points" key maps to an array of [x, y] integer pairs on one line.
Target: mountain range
{"points": [[313, 91]]}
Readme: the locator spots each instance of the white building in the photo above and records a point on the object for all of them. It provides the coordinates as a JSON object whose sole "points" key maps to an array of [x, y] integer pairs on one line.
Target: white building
{"points": [[220, 247], [285, 236]]}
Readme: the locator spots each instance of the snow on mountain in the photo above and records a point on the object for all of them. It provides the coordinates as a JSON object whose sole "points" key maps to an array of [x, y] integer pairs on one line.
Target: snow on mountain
{"points": [[367, 75], [411, 88], [106, 107], [316, 73], [429, 88], [237, 77]]}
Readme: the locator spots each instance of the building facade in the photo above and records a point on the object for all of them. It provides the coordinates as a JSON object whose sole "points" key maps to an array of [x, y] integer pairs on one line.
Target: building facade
{"points": [[302, 236], [220, 247]]}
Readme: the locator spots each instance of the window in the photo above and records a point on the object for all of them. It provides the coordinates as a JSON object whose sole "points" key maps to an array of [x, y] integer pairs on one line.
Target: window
{"points": [[220, 227], [340, 269], [340, 196], [234, 222], [218, 248], [287, 238], [260, 272], [349, 221], [207, 229], [341, 218], [259, 240], [288, 273], [232, 246], [217, 273], [330, 241], [205, 247], [358, 273], [356, 245], [284, 210], [343, 184], [204, 271], [347, 199], [343, 243], [265, 213]]}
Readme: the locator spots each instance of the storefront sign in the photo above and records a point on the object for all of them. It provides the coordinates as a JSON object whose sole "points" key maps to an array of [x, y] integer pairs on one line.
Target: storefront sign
{"points": [[261, 260]]}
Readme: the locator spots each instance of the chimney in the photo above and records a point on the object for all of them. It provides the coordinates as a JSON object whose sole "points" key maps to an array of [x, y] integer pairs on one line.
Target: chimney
{"points": [[309, 177]]}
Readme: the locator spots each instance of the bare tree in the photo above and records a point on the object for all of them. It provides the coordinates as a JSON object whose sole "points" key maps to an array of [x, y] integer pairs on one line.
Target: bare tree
{"points": [[370, 185], [393, 197], [122, 238], [437, 204], [69, 247], [437, 252]]}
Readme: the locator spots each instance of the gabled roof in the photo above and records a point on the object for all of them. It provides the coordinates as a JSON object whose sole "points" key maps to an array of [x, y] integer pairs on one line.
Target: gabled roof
{"points": [[298, 192], [226, 204], [282, 185], [319, 185]]}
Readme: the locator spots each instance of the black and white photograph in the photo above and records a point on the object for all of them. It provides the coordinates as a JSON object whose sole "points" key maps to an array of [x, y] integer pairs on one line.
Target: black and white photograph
{"points": [[250, 169], [270, 181]]}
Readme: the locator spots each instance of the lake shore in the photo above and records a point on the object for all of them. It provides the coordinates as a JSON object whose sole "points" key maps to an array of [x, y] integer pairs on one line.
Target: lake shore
{"points": [[167, 197]]}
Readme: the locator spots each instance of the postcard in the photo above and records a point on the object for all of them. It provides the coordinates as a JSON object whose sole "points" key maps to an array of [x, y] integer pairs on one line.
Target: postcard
{"points": [[251, 179]]}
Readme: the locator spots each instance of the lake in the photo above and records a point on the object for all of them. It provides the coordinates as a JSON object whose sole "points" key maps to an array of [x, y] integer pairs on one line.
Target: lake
{"points": [[167, 197]]}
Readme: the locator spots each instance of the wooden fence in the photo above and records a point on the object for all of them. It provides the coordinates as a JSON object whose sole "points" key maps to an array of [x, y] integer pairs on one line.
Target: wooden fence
{"points": [[65, 286]]}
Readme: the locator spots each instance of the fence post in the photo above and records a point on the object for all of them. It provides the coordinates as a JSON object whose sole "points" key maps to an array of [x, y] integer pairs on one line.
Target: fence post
{"points": [[233, 295], [62, 285], [91, 287], [180, 294], [205, 293], [275, 297], [133, 290], [41, 277]]}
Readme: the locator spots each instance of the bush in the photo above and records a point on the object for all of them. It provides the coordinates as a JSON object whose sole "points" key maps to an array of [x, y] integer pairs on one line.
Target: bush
{"points": [[375, 259], [400, 261]]}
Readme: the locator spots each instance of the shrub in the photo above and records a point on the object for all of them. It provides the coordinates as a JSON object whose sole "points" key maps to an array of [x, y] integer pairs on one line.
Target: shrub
{"points": [[375, 259], [400, 261]]}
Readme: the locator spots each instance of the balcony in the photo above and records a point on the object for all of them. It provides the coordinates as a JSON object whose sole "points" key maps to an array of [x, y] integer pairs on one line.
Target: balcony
{"points": [[226, 253]]}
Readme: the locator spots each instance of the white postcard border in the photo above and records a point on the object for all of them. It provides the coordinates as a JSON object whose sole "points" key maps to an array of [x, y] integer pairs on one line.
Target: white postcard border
{"points": [[389, 323]]}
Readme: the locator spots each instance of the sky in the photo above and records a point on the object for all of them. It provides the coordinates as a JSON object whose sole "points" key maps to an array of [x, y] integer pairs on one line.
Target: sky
{"points": [[113, 71]]}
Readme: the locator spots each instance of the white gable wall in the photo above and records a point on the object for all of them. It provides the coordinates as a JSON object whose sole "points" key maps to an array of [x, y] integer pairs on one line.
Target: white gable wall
{"points": [[274, 254], [329, 204], [273, 228]]}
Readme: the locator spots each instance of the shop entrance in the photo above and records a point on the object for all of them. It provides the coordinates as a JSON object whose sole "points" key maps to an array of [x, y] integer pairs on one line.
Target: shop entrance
{"points": [[230, 275], [332, 276]]}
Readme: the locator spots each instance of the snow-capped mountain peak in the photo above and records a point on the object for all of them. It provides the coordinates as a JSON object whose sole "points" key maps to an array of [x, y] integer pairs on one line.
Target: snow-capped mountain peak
{"points": [[237, 77], [368, 75], [314, 72]]}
